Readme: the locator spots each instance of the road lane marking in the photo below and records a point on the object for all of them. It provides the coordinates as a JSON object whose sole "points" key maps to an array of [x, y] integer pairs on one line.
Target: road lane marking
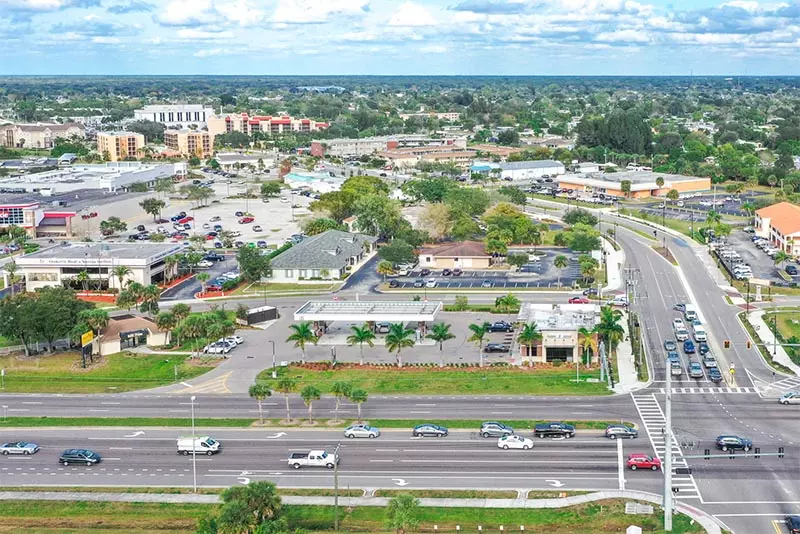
{"points": [[418, 411], [97, 410], [30, 402], [111, 403], [120, 448], [422, 404]]}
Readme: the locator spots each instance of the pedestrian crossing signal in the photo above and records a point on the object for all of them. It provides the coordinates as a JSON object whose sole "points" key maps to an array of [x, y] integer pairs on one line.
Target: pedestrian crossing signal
{"points": [[727, 343]]}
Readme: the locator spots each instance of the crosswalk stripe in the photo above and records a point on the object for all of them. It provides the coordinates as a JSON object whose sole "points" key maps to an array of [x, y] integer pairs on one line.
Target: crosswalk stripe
{"points": [[707, 391]]}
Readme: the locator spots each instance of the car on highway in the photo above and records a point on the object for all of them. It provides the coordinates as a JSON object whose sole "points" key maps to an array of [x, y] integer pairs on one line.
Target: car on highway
{"points": [[515, 442], [729, 442], [501, 326], [673, 356], [207, 445], [79, 456], [313, 459], [709, 361], [430, 430], [715, 375], [677, 323], [670, 345], [790, 397], [579, 300], [621, 431], [361, 431], [496, 347], [675, 369], [681, 334], [688, 346], [643, 461], [19, 447], [554, 430], [703, 348], [696, 370], [792, 523], [493, 429]]}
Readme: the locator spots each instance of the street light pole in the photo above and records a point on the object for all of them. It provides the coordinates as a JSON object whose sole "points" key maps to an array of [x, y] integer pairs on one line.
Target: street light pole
{"points": [[273, 357], [194, 449], [668, 453]]}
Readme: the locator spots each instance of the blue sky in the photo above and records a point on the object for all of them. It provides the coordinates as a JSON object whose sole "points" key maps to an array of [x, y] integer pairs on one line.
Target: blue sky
{"points": [[530, 37]]}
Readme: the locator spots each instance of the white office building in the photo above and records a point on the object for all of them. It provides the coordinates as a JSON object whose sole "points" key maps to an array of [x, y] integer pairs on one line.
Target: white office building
{"points": [[175, 115], [527, 170]]}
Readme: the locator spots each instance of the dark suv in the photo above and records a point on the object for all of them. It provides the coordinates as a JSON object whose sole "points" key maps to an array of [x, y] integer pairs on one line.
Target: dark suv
{"points": [[79, 456], [621, 431], [493, 429], [733, 442], [501, 326]]}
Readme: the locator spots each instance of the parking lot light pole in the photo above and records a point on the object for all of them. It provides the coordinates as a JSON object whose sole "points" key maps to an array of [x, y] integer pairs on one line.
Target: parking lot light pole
{"points": [[273, 358]]}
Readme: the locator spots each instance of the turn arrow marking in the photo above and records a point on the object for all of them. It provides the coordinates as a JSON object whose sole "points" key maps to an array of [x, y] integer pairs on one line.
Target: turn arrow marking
{"points": [[400, 482], [135, 434], [276, 436], [555, 483], [244, 480]]}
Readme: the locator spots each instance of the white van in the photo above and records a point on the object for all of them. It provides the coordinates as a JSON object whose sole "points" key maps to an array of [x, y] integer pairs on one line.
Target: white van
{"points": [[700, 334], [690, 313], [198, 445]]}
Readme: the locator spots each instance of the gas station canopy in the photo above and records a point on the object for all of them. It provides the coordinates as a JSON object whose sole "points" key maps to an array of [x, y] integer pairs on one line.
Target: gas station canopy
{"points": [[365, 311]]}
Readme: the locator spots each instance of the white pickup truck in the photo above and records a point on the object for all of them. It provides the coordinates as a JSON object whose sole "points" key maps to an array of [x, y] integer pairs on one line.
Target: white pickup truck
{"points": [[313, 459]]}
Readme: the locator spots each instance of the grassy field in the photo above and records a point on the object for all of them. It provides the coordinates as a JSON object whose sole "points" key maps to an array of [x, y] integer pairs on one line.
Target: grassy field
{"points": [[124, 371], [765, 354], [259, 289], [433, 381], [605, 517]]}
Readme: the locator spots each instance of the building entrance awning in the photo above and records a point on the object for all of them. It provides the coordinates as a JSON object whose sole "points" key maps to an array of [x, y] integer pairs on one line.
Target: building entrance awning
{"points": [[364, 311]]}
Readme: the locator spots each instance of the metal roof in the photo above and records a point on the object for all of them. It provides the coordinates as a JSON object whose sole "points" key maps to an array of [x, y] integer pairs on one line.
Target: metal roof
{"points": [[381, 310], [559, 316], [539, 164]]}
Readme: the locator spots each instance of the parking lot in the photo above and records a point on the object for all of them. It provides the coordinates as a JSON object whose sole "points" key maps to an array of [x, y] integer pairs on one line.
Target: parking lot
{"points": [[761, 264], [546, 275], [722, 203]]}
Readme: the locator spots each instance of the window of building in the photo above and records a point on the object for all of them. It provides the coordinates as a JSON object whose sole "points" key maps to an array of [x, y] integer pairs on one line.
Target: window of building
{"points": [[289, 273], [9, 216], [42, 277]]}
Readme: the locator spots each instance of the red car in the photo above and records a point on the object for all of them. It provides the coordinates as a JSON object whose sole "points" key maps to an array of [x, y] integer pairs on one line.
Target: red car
{"points": [[579, 300], [643, 461], [185, 220], [246, 220]]}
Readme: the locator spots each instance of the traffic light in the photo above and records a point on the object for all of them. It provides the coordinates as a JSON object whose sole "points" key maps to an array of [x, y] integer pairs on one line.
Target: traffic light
{"points": [[758, 452], [780, 452], [707, 454], [727, 343]]}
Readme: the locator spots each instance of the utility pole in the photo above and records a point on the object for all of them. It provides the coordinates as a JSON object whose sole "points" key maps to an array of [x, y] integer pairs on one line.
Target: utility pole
{"points": [[668, 453], [336, 487]]}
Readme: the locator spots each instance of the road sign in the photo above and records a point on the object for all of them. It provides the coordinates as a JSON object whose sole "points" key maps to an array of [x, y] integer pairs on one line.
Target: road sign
{"points": [[87, 338]]}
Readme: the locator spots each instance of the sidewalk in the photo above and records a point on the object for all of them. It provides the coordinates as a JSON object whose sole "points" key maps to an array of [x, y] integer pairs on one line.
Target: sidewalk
{"points": [[765, 333], [626, 380], [702, 518]]}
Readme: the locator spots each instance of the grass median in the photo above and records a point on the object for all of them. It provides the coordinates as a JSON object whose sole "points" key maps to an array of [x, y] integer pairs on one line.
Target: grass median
{"points": [[115, 373], [602, 517], [432, 380]]}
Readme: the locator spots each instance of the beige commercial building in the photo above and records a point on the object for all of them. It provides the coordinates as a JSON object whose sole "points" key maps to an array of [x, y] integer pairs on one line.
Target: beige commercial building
{"points": [[119, 146], [190, 142], [409, 156], [242, 122], [39, 135], [559, 325]]}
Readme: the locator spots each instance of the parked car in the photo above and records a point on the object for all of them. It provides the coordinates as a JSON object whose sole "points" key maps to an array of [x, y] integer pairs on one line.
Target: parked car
{"points": [[419, 282], [239, 214], [246, 220], [218, 348], [213, 256], [425, 272], [621, 431], [457, 272], [496, 347], [790, 397], [361, 431], [696, 370], [791, 270], [514, 442], [79, 456], [446, 272], [237, 340], [430, 283], [204, 263], [257, 228], [394, 283], [487, 284], [501, 326], [579, 300], [643, 461], [261, 243], [429, 429], [493, 429], [25, 448], [730, 442], [382, 328]]}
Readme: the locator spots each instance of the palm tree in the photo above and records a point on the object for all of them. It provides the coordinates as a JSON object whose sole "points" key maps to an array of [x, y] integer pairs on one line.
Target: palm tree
{"points": [[287, 385], [181, 311], [259, 392], [398, 338], [440, 332], [166, 321], [713, 217], [309, 395], [340, 390], [302, 334], [169, 266], [587, 342], [609, 326], [479, 332], [150, 296], [123, 271], [202, 278], [561, 262], [11, 268], [506, 303], [528, 336], [83, 278], [385, 268], [361, 335], [781, 257], [359, 397]]}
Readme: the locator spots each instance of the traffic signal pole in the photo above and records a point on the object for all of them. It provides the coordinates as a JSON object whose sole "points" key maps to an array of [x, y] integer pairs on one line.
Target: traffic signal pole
{"points": [[668, 452]]}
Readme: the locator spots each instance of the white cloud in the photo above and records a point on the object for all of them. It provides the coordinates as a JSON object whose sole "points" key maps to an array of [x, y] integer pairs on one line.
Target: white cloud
{"points": [[624, 36], [241, 12], [361, 36], [313, 11], [185, 12], [412, 14], [434, 49], [209, 52], [35, 5], [190, 33], [102, 39]]}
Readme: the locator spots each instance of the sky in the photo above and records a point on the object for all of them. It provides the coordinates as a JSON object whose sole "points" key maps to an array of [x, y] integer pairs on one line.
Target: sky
{"points": [[400, 37]]}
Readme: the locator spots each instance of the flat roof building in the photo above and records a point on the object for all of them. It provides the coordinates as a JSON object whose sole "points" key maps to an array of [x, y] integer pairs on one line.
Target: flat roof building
{"points": [[366, 146], [242, 122], [38, 135], [643, 183], [780, 223], [36, 221], [190, 143], [120, 146], [229, 160], [175, 115], [60, 265], [559, 325], [528, 170]]}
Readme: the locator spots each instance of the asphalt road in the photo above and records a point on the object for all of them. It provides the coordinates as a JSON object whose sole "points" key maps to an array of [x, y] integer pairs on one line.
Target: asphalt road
{"points": [[395, 459]]}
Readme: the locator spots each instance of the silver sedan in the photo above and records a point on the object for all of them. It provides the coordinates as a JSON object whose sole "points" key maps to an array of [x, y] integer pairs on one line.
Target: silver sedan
{"points": [[361, 431], [20, 447]]}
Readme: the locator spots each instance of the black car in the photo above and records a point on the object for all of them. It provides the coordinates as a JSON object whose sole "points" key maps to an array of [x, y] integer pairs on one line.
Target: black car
{"points": [[79, 456], [457, 272], [394, 283], [446, 272], [239, 214], [429, 429], [703, 348], [496, 347], [793, 523], [670, 345], [714, 375], [590, 291], [213, 256], [493, 429], [425, 272], [555, 430], [791, 269], [726, 443], [501, 326], [621, 431], [419, 282]]}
